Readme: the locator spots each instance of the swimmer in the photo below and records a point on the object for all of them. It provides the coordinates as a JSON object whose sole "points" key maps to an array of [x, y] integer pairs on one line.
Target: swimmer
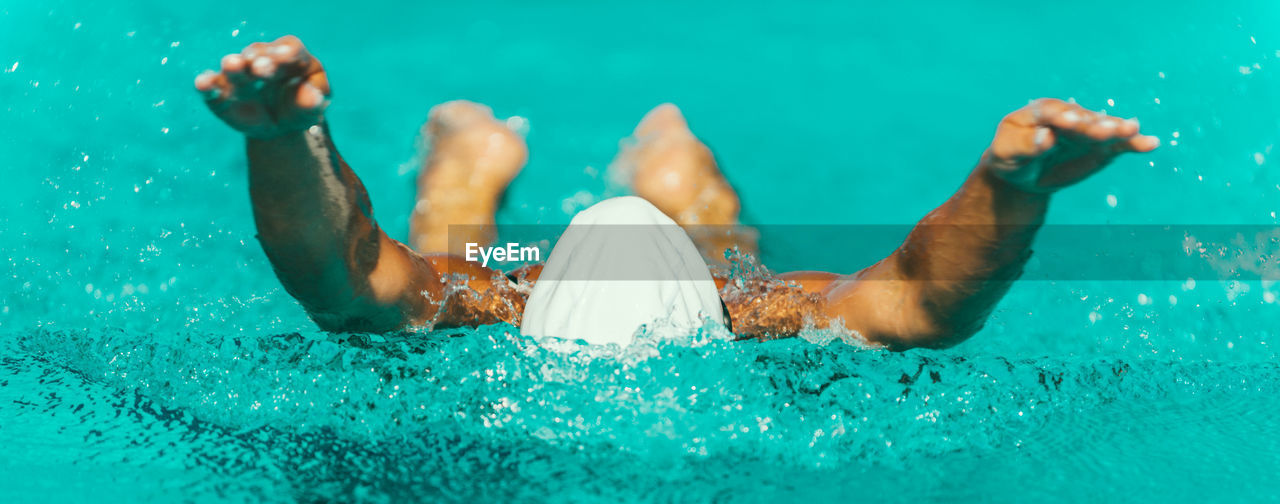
{"points": [[316, 225]]}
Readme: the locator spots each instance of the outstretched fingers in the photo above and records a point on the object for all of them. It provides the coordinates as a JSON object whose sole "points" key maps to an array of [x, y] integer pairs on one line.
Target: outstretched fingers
{"points": [[1043, 124], [1137, 143], [1073, 120]]}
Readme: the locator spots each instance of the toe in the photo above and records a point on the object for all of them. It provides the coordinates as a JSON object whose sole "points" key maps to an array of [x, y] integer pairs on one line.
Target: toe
{"points": [[665, 117], [454, 115]]}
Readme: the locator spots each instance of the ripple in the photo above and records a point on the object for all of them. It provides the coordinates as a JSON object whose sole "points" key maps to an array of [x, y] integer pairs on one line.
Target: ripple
{"points": [[485, 415]]}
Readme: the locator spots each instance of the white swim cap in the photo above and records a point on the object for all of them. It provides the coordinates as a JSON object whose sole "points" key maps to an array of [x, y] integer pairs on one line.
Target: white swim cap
{"points": [[619, 265]]}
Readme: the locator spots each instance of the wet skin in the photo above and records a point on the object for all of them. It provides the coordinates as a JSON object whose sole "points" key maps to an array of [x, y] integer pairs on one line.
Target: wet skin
{"points": [[316, 223]]}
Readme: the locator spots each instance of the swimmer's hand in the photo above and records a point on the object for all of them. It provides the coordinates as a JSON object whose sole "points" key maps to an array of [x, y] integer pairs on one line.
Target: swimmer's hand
{"points": [[1051, 144], [269, 89]]}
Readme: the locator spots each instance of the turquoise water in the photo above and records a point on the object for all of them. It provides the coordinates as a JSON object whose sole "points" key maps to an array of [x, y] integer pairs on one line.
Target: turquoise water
{"points": [[149, 353]]}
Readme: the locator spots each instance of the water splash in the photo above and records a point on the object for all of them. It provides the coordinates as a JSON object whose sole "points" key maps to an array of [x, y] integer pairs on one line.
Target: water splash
{"points": [[418, 414]]}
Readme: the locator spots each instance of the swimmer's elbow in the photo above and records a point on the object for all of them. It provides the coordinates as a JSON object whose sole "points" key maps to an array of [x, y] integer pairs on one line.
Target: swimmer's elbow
{"points": [[922, 331], [363, 319], [904, 342]]}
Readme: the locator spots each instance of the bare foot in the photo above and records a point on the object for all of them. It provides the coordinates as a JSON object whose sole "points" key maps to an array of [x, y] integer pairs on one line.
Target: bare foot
{"points": [[472, 159], [1051, 144], [671, 168], [269, 89]]}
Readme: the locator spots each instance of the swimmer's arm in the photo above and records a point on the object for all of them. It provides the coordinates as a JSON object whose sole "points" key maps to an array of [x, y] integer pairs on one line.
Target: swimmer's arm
{"points": [[940, 285], [316, 225], [935, 290], [938, 288], [313, 214]]}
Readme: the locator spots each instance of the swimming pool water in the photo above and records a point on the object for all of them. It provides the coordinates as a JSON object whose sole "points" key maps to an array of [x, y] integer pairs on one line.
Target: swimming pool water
{"points": [[147, 351]]}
